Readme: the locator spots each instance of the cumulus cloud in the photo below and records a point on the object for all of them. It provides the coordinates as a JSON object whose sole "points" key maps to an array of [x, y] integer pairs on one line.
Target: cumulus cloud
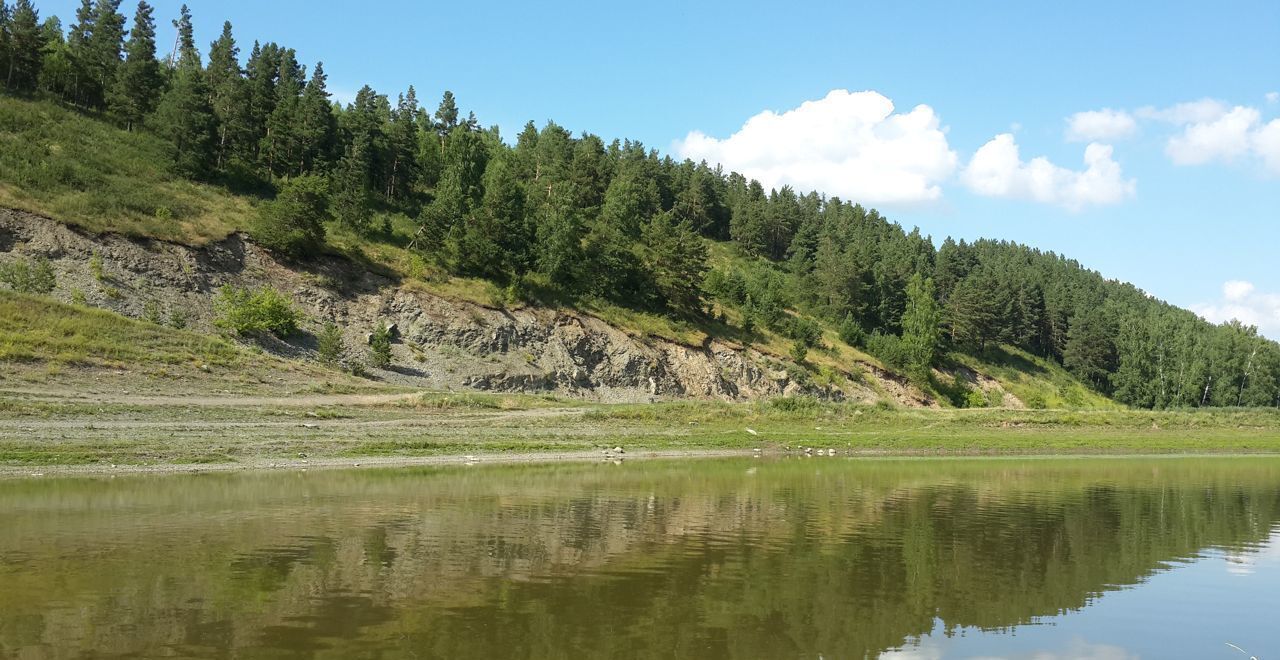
{"points": [[1104, 124], [1273, 97], [1210, 131], [997, 170], [850, 144], [1243, 302], [1185, 113]]}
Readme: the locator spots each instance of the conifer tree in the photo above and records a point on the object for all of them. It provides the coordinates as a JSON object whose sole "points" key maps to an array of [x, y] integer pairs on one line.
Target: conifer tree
{"points": [[677, 260], [921, 326], [229, 96], [103, 50], [185, 117], [317, 130], [25, 45], [4, 36], [79, 53], [280, 148], [138, 82]]}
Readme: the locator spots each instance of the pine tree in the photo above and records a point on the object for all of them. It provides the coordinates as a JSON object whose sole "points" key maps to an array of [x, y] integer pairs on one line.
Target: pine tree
{"points": [[138, 82], [293, 223], [103, 51], [317, 132], [5, 18], [403, 147], [1090, 351], [281, 150], [971, 311], [55, 66], [80, 88], [26, 45], [229, 96], [921, 326], [262, 68], [677, 260], [446, 117], [352, 203], [185, 117]]}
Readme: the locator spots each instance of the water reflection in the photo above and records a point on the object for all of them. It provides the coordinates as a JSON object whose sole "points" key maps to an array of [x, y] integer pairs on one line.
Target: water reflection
{"points": [[709, 559]]}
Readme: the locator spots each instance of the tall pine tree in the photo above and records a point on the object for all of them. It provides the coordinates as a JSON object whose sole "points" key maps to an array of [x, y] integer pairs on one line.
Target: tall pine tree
{"points": [[138, 82], [185, 117]]}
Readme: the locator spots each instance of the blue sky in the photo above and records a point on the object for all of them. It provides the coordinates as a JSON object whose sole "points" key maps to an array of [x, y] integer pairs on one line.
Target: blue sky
{"points": [[1180, 200]]}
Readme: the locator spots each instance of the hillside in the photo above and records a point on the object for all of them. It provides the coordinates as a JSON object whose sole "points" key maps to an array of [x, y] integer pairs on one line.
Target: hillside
{"points": [[566, 265], [148, 242]]}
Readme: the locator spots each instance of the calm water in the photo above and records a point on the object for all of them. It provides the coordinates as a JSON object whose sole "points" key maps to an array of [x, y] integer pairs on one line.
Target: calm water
{"points": [[803, 558]]}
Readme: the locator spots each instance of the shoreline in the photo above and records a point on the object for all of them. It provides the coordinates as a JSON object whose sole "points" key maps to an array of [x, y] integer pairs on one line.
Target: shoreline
{"points": [[266, 464]]}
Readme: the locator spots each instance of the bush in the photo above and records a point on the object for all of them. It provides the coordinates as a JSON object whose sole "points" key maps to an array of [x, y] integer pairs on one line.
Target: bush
{"points": [[151, 313], [888, 348], [293, 223], [329, 344], [253, 312], [975, 399], [851, 332], [177, 319], [799, 352], [27, 276], [380, 347], [805, 330]]}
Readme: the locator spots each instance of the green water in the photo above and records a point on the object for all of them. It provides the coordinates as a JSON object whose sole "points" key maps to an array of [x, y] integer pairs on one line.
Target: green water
{"points": [[802, 558]]}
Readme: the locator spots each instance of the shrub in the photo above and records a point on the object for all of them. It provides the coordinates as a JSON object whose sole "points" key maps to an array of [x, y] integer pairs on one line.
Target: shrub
{"points": [[805, 331], [151, 313], [975, 399], [380, 347], [247, 312], [293, 223], [799, 352], [329, 344], [177, 319], [851, 332], [27, 276], [888, 348]]}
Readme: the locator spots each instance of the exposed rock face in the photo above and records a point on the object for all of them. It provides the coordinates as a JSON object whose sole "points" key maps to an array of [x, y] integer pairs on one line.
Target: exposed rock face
{"points": [[442, 343]]}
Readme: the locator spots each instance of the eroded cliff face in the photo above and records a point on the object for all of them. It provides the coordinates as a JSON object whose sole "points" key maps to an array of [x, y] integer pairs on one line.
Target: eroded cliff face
{"points": [[441, 342]]}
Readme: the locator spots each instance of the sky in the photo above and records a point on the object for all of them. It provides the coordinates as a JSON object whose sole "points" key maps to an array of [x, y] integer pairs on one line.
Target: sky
{"points": [[1140, 138]]}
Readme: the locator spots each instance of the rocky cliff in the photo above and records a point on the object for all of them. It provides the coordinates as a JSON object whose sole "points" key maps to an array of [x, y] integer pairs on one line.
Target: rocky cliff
{"points": [[441, 342]]}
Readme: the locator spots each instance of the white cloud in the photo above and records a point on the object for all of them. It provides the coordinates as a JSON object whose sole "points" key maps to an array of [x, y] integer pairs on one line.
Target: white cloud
{"points": [[997, 170], [1225, 138], [847, 144], [1213, 132], [1104, 124], [1243, 302], [1236, 290], [1273, 97], [1185, 113]]}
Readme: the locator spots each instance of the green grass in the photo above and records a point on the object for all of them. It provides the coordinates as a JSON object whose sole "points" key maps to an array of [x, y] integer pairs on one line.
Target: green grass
{"points": [[46, 342], [448, 424], [1037, 382], [83, 171], [34, 328]]}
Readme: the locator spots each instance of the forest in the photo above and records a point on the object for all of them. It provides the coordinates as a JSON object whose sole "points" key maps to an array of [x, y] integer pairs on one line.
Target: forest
{"points": [[553, 216]]}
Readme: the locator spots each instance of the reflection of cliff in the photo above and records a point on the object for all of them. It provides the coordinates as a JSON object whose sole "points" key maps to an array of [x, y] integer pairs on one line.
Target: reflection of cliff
{"points": [[705, 559]]}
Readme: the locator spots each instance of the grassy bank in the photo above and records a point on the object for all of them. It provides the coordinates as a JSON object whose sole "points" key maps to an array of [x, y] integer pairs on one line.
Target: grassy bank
{"points": [[49, 432]]}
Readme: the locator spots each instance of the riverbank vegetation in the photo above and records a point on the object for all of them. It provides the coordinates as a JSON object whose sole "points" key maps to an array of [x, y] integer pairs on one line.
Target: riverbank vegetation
{"points": [[101, 130]]}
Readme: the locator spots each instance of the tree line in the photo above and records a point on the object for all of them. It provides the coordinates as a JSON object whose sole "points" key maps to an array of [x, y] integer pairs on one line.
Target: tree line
{"points": [[553, 213]]}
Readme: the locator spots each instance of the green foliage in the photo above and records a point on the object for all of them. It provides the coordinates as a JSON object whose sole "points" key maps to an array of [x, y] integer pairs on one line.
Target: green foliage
{"points": [[889, 349], [380, 347], [293, 223], [177, 318], [329, 344], [921, 326], [28, 276], [799, 351], [257, 311], [151, 313], [851, 332]]}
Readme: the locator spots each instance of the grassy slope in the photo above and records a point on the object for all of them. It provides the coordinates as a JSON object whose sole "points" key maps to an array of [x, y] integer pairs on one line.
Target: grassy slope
{"points": [[42, 340], [83, 171], [59, 163]]}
